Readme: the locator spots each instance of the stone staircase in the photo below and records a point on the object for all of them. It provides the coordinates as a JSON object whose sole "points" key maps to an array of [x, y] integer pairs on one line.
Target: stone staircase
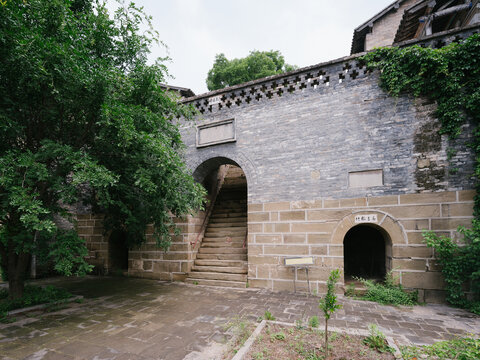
{"points": [[222, 257]]}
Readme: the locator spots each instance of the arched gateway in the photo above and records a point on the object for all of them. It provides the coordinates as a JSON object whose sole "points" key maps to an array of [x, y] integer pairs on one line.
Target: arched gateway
{"points": [[221, 258]]}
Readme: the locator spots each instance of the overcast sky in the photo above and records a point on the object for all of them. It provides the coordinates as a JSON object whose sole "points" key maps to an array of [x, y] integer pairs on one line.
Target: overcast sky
{"points": [[306, 32]]}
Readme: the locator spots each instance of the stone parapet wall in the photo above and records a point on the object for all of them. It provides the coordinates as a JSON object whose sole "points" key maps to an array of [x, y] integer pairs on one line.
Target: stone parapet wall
{"points": [[317, 228]]}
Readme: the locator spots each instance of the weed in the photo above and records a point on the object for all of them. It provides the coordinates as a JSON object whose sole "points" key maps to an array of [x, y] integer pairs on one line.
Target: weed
{"points": [[268, 316], [277, 336], [376, 340], [333, 336], [241, 330], [389, 293], [314, 322], [299, 324], [195, 283], [350, 290], [460, 348]]}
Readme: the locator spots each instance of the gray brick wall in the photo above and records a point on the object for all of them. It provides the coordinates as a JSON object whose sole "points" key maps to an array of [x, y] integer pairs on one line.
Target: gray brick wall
{"points": [[300, 134], [302, 145]]}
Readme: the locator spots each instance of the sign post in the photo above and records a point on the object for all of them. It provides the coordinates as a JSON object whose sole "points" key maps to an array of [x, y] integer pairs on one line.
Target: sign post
{"points": [[299, 263]]}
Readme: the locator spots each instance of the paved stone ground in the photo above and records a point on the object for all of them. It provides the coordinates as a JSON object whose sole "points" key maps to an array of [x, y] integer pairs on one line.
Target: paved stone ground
{"points": [[124, 318]]}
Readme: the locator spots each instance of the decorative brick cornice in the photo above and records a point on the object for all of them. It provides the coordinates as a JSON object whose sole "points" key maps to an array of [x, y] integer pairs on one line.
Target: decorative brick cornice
{"points": [[312, 78]]}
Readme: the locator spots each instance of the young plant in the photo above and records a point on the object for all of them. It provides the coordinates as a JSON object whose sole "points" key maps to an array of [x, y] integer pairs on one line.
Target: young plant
{"points": [[376, 340], [268, 316], [313, 322], [328, 304]]}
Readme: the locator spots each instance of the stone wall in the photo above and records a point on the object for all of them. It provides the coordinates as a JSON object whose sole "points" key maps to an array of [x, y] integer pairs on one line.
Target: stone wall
{"points": [[147, 260], [299, 138], [317, 227]]}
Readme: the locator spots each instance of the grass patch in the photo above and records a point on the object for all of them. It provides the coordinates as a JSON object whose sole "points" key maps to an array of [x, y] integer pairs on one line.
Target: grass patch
{"points": [[461, 348], [390, 292], [32, 295]]}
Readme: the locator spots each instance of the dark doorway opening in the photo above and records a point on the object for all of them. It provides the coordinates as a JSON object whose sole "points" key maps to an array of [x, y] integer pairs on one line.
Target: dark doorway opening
{"points": [[364, 253], [118, 251]]}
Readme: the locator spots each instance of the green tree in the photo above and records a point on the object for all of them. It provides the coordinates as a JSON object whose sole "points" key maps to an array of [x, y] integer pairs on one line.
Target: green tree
{"points": [[328, 304], [257, 65], [83, 119]]}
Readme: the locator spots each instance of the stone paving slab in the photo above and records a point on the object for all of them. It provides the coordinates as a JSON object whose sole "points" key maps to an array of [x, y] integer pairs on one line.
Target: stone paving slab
{"points": [[125, 318]]}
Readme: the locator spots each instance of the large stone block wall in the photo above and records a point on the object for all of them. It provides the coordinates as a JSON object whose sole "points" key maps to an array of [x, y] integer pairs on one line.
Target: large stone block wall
{"points": [[147, 260], [317, 227]]}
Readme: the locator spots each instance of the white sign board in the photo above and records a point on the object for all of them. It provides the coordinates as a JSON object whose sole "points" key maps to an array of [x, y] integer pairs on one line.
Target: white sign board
{"points": [[368, 218], [299, 261]]}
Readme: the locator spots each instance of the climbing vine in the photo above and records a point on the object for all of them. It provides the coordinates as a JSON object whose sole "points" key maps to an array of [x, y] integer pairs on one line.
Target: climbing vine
{"points": [[451, 77]]}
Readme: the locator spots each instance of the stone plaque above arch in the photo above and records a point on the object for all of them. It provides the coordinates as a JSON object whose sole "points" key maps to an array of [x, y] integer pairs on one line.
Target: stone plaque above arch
{"points": [[385, 222], [217, 132]]}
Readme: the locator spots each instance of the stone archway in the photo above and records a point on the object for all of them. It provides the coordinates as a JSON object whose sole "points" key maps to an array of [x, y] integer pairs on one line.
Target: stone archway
{"points": [[364, 252], [221, 259], [391, 230]]}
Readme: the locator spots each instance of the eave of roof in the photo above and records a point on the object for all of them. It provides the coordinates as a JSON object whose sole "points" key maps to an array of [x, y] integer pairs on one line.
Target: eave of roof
{"points": [[363, 29]]}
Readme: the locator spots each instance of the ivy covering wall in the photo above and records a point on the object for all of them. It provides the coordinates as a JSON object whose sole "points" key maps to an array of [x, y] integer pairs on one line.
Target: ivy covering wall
{"points": [[450, 76]]}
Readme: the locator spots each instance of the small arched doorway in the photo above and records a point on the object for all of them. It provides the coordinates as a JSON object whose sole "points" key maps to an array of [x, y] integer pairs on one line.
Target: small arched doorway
{"points": [[365, 251]]}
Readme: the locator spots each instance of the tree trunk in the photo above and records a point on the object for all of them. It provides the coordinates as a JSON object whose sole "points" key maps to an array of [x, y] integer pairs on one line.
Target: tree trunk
{"points": [[326, 339], [17, 268]]}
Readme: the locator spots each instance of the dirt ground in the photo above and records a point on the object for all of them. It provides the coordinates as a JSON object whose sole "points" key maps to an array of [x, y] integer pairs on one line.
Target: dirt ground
{"points": [[280, 342]]}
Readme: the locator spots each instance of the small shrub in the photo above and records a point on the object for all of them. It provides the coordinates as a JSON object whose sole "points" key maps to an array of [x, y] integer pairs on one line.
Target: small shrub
{"points": [[389, 293], [460, 265], [376, 340], [314, 322], [268, 316]]}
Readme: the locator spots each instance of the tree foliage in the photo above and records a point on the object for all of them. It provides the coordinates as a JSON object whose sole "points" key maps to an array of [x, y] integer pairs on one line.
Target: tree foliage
{"points": [[257, 65], [451, 77], [83, 118]]}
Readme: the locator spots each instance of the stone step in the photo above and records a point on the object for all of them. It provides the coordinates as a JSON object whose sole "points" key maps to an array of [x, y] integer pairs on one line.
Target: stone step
{"points": [[224, 238], [218, 263], [229, 213], [227, 225], [209, 256], [235, 214], [222, 250], [220, 269], [228, 220], [230, 233], [217, 276], [234, 284], [218, 244]]}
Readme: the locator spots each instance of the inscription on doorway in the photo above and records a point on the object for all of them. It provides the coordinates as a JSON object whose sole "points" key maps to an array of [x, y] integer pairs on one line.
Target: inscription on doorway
{"points": [[369, 218]]}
